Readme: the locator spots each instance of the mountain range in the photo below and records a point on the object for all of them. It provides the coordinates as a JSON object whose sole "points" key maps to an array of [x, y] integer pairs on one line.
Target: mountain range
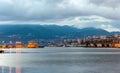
{"points": [[32, 32]]}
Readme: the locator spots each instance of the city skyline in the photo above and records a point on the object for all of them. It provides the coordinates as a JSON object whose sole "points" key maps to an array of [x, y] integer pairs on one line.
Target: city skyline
{"points": [[78, 13]]}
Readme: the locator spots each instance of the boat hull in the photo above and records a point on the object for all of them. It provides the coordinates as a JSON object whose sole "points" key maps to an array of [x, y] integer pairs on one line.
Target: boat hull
{"points": [[1, 51]]}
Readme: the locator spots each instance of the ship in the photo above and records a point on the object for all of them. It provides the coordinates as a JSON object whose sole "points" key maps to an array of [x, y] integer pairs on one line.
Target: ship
{"points": [[3, 45], [1, 51], [10, 45], [18, 44], [33, 44], [41, 46]]}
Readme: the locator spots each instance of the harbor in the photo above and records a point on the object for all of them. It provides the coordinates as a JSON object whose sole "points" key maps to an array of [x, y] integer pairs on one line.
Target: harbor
{"points": [[19, 44], [103, 41], [59, 36]]}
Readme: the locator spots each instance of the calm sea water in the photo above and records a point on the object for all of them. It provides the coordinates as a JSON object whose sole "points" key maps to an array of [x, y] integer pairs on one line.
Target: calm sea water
{"points": [[60, 60]]}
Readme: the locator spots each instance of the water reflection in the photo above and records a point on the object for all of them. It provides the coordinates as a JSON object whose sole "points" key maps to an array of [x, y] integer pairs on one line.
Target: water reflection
{"points": [[18, 68], [2, 69], [60, 60], [12, 70]]}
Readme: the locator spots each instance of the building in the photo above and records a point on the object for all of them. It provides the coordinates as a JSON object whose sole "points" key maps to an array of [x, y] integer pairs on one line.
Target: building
{"points": [[112, 41]]}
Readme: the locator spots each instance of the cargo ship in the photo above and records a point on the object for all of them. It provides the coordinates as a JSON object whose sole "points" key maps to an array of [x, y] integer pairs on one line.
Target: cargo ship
{"points": [[18, 44], [33, 44]]}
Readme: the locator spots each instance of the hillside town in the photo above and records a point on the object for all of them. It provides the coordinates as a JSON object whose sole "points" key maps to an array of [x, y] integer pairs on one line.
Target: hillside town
{"points": [[112, 41]]}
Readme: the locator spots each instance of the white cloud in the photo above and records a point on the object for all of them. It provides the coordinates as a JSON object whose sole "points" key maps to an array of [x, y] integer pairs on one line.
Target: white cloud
{"points": [[80, 13], [109, 28], [107, 3]]}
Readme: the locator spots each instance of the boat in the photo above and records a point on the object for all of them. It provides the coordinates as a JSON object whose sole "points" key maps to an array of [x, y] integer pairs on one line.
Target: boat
{"points": [[1, 51], [10, 45], [18, 44], [32, 44], [41, 46]]}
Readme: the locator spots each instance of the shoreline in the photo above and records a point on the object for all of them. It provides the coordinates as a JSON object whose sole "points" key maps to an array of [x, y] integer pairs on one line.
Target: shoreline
{"points": [[60, 47]]}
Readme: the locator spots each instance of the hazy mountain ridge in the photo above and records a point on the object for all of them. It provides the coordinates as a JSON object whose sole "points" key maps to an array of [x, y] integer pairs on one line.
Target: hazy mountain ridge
{"points": [[29, 32]]}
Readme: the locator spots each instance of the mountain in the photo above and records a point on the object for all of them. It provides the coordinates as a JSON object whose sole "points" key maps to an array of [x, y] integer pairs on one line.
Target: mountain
{"points": [[115, 32], [32, 32]]}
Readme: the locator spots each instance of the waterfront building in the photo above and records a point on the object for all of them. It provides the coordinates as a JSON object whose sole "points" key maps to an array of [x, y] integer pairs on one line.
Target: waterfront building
{"points": [[117, 45], [112, 41]]}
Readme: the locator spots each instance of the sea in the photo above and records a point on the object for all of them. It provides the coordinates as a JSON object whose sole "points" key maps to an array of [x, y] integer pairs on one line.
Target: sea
{"points": [[60, 60]]}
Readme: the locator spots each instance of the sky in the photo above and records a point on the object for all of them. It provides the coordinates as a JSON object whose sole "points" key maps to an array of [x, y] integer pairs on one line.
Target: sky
{"points": [[103, 14]]}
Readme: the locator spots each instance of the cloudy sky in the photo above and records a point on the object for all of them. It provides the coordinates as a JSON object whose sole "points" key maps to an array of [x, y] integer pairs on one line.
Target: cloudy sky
{"points": [[103, 14]]}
